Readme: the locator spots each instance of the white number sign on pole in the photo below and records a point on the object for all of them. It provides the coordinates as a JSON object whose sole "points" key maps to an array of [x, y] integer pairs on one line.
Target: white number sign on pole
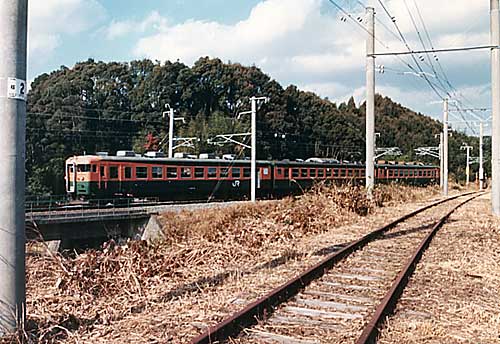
{"points": [[16, 89]]}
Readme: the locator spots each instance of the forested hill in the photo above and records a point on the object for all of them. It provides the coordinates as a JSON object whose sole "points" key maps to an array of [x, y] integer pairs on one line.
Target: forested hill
{"points": [[97, 106]]}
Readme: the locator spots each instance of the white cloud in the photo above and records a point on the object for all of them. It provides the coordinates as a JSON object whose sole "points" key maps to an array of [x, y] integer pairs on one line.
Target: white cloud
{"points": [[49, 20], [304, 42], [121, 28], [266, 33]]}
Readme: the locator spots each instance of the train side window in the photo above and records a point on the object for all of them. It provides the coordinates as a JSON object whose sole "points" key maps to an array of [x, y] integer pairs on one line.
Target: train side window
{"points": [[141, 172], [321, 173], [246, 172], [265, 171], [172, 172], [224, 172], [350, 173], [94, 168], [328, 172], [199, 172], [362, 173], [185, 172], [312, 172], [83, 168], [236, 172], [128, 172], [295, 172], [212, 172], [113, 172], [157, 172], [287, 173], [303, 172], [342, 172]]}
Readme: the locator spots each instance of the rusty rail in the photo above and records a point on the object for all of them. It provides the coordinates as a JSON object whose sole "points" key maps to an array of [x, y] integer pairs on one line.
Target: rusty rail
{"points": [[388, 304], [261, 308]]}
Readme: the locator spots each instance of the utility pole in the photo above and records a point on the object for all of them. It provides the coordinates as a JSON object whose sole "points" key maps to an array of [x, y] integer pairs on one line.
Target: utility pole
{"points": [[467, 167], [445, 148], [253, 163], [495, 105], [481, 167], [370, 101], [13, 89], [171, 120], [441, 161]]}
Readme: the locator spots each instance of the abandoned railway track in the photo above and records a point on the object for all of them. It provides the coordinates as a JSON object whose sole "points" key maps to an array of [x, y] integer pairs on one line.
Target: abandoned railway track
{"points": [[345, 297]]}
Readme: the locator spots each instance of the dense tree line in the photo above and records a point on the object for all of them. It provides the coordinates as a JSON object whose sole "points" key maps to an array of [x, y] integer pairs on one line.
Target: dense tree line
{"points": [[97, 106]]}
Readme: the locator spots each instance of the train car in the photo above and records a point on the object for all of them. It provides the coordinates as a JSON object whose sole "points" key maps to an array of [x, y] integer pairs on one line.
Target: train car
{"points": [[106, 177]]}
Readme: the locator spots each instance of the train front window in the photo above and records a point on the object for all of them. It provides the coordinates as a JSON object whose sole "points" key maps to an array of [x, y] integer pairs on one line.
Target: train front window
{"points": [[103, 171], [83, 168], [171, 172], [113, 172], [141, 172], [157, 172]]}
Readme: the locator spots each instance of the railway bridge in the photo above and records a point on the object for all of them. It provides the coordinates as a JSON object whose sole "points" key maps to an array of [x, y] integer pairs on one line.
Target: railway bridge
{"points": [[74, 225]]}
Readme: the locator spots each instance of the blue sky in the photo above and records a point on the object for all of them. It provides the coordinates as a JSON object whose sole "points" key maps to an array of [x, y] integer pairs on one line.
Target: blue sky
{"points": [[301, 42]]}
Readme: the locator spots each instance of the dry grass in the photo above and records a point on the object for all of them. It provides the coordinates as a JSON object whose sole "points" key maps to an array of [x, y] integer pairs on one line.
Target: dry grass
{"points": [[83, 298], [454, 295]]}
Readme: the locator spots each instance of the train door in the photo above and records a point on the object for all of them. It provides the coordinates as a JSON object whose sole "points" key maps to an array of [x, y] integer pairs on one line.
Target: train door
{"points": [[70, 178], [103, 183]]}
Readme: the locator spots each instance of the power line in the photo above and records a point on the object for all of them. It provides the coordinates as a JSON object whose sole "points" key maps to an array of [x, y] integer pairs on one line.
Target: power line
{"points": [[70, 116], [411, 52]]}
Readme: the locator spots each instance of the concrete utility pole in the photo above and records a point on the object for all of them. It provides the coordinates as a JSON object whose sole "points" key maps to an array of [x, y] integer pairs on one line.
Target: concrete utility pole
{"points": [[495, 105], [171, 120], [441, 161], [370, 100], [481, 168], [253, 163], [467, 167], [445, 148], [13, 89]]}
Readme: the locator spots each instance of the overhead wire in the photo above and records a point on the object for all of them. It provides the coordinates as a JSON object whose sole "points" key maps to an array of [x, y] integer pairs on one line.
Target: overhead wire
{"points": [[446, 79]]}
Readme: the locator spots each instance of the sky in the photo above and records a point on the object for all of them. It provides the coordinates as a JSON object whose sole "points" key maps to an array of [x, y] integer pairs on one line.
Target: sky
{"points": [[308, 43]]}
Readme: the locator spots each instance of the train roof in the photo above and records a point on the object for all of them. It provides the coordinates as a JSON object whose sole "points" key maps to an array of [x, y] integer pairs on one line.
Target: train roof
{"points": [[86, 159]]}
